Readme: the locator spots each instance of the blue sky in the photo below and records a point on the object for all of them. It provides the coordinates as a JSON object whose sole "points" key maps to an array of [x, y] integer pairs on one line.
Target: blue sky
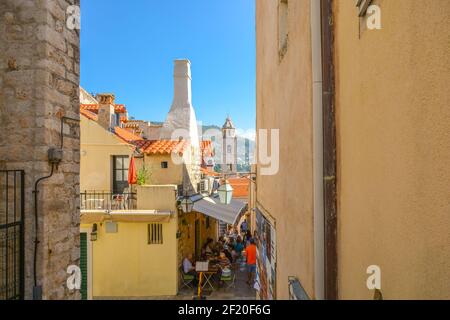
{"points": [[128, 48]]}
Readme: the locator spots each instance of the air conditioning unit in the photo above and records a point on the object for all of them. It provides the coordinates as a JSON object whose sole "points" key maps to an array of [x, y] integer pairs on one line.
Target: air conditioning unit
{"points": [[204, 186]]}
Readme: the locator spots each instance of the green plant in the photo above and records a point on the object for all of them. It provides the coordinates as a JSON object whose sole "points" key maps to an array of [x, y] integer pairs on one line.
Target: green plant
{"points": [[143, 176]]}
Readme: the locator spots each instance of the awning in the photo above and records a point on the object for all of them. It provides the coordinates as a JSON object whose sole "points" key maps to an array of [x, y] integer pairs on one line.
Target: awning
{"points": [[212, 207], [148, 216]]}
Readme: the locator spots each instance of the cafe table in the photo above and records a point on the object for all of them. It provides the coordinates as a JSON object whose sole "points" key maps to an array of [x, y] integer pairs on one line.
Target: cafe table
{"points": [[206, 274]]}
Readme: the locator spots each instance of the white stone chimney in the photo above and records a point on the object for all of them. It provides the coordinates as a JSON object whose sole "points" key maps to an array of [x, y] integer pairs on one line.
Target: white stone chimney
{"points": [[181, 120], [106, 110]]}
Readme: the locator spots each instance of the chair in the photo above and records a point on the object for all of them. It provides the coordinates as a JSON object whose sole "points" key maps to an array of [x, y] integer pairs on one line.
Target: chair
{"points": [[124, 205], [187, 280], [229, 280]]}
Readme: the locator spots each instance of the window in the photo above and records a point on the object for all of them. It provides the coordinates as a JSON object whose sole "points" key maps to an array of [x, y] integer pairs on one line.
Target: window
{"points": [[155, 233], [283, 27], [164, 164], [228, 148], [362, 6], [207, 223], [120, 173]]}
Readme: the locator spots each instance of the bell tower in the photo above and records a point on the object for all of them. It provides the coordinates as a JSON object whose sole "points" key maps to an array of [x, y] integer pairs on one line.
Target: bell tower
{"points": [[229, 145]]}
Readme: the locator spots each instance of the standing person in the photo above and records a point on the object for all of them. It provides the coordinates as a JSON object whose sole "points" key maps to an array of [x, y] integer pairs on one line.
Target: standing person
{"points": [[250, 253], [248, 236], [244, 227], [233, 234], [238, 248]]}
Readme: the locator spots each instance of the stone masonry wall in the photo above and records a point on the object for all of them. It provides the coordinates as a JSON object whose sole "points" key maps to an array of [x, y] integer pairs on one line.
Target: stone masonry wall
{"points": [[39, 83]]}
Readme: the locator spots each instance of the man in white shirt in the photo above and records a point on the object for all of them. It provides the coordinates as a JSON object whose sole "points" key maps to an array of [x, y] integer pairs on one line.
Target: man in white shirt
{"points": [[188, 267]]}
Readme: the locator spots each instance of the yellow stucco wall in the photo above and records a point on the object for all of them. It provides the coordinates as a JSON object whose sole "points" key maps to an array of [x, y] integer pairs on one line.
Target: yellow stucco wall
{"points": [[172, 175], [97, 148], [393, 121], [284, 101], [125, 265]]}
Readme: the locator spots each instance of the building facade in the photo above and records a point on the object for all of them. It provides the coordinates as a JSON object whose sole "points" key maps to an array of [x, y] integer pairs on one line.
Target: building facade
{"points": [[140, 228], [361, 108]]}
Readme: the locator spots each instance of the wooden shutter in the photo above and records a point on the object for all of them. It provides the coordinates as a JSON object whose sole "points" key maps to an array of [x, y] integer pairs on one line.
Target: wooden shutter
{"points": [[83, 265]]}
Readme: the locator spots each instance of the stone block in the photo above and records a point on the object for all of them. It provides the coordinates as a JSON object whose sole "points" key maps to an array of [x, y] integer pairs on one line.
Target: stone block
{"points": [[52, 95], [18, 78], [65, 87], [38, 84], [51, 66], [54, 8], [54, 38]]}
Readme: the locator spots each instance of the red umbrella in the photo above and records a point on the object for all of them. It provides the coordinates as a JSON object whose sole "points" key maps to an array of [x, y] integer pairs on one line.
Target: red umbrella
{"points": [[132, 174]]}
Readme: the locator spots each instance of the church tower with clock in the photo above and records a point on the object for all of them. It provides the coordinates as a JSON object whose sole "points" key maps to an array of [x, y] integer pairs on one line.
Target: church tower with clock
{"points": [[229, 145]]}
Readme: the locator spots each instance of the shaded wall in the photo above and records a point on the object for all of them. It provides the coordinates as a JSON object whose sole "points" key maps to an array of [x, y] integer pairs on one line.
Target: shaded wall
{"points": [[393, 120], [284, 101]]}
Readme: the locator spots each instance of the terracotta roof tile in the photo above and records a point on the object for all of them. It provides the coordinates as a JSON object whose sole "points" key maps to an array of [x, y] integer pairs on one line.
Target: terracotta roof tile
{"points": [[118, 108], [151, 147], [162, 146], [126, 135], [88, 114], [240, 187]]}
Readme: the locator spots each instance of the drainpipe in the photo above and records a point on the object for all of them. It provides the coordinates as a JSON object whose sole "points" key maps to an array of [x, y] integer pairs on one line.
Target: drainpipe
{"points": [[55, 156], [319, 237], [329, 154], [37, 290]]}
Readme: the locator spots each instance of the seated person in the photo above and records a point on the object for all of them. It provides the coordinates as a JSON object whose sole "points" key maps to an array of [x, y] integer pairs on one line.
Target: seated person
{"points": [[188, 266], [227, 252], [223, 261], [224, 265], [229, 244], [207, 247], [218, 246]]}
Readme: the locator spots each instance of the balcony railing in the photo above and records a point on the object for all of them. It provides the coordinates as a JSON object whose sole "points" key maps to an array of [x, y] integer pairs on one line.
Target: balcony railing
{"points": [[99, 200]]}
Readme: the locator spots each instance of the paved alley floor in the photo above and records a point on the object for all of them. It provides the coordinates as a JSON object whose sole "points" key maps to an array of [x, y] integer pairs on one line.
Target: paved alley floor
{"points": [[240, 291]]}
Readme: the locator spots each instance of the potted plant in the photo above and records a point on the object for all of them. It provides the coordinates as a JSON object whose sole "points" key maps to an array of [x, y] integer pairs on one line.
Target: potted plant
{"points": [[143, 176]]}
